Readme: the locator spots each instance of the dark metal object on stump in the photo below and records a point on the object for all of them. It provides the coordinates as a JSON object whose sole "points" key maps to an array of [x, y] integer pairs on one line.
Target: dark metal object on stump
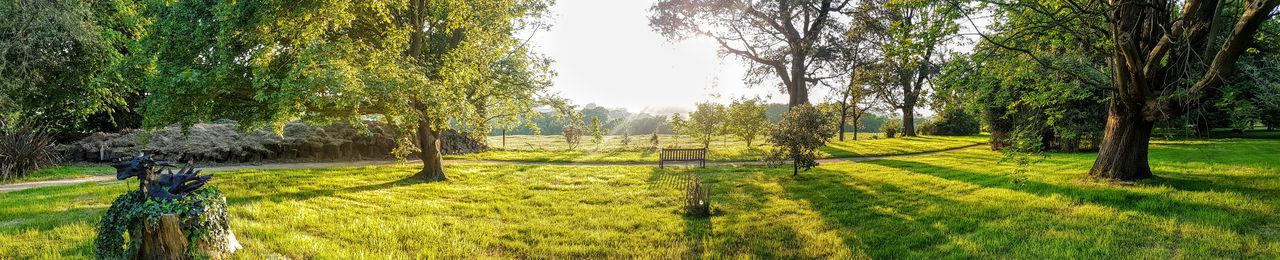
{"points": [[155, 184]]}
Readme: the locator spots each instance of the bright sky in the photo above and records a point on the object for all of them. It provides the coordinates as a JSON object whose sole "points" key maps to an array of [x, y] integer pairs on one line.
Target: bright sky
{"points": [[606, 54]]}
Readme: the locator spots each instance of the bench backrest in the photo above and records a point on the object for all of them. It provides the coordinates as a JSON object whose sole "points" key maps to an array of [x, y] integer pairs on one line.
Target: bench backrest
{"points": [[683, 155]]}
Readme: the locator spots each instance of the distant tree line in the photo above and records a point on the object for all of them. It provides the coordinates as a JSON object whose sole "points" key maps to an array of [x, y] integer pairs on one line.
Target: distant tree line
{"points": [[618, 121]]}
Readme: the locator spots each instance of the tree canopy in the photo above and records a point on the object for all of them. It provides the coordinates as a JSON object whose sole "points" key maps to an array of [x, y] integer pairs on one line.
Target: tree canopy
{"points": [[421, 65]]}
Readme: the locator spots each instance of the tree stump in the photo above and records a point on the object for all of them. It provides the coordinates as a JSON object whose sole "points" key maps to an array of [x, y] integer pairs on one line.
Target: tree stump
{"points": [[166, 241]]}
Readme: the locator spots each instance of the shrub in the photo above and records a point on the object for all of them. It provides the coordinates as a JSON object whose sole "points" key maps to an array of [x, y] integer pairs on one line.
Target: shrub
{"points": [[24, 150], [891, 127], [951, 122], [653, 140], [572, 136], [799, 135]]}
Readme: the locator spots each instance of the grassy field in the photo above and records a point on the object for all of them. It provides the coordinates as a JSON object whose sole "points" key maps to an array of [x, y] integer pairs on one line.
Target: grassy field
{"points": [[66, 172], [549, 148], [1212, 199]]}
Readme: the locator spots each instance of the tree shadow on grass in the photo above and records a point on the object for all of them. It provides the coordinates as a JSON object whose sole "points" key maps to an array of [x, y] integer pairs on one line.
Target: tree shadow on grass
{"points": [[1152, 204], [697, 233], [313, 193], [668, 178], [879, 217], [748, 231], [1186, 182]]}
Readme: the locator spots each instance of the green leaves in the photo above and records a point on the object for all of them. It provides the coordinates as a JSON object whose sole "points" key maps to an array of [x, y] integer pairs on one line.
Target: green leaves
{"points": [[445, 63], [746, 119], [63, 61], [799, 134]]}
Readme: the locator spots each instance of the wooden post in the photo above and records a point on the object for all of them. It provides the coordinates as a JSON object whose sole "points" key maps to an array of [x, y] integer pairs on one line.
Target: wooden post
{"points": [[165, 242]]}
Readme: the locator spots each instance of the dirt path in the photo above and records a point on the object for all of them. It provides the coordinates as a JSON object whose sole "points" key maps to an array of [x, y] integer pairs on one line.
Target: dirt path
{"points": [[283, 166]]}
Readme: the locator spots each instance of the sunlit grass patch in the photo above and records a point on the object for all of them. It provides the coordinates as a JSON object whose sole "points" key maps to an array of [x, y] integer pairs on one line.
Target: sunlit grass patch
{"points": [[1210, 200], [65, 172], [723, 148]]}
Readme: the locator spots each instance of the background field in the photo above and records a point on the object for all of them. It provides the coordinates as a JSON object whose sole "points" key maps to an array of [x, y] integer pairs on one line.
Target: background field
{"points": [[548, 148], [1212, 199]]}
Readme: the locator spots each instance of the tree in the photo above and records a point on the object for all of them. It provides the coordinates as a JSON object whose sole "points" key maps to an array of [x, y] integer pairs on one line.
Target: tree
{"points": [[853, 103], [704, 123], [597, 133], [626, 136], [912, 35], [410, 63], [678, 125], [62, 62], [799, 135], [572, 136], [746, 119], [786, 39], [653, 140], [1165, 57], [1014, 94]]}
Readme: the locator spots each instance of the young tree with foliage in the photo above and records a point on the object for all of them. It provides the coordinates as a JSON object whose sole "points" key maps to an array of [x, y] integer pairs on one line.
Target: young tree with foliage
{"points": [[410, 63], [626, 136], [854, 102], [912, 35], [782, 39], [597, 132], [746, 119], [798, 136], [704, 123], [677, 125]]}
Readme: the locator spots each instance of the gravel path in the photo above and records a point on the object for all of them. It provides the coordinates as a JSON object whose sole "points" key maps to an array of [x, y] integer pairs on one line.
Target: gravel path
{"points": [[281, 166]]}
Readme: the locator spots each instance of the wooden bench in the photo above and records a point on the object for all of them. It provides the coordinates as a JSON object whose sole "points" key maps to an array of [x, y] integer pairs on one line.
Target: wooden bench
{"points": [[682, 155]]}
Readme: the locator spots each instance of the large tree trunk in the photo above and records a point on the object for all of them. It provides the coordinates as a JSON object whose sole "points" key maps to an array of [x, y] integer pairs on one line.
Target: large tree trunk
{"points": [[432, 161], [1000, 128], [1123, 151], [844, 113], [842, 122], [1046, 139], [909, 118], [798, 89]]}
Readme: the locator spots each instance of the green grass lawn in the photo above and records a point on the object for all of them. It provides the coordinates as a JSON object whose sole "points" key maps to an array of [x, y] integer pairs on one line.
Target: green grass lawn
{"points": [[548, 148], [1212, 199], [66, 172]]}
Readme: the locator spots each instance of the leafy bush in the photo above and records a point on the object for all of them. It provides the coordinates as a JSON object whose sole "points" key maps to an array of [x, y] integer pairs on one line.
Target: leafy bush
{"points": [[951, 122], [24, 150], [891, 127], [799, 135], [203, 214], [572, 136]]}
